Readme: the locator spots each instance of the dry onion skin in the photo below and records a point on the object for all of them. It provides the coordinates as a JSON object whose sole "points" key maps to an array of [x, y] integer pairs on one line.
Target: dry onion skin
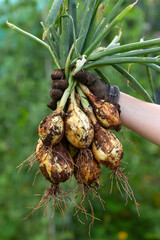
{"points": [[79, 130], [51, 128], [107, 114]]}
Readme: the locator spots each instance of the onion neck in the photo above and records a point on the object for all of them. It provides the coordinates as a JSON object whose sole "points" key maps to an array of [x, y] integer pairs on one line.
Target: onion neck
{"points": [[86, 90]]}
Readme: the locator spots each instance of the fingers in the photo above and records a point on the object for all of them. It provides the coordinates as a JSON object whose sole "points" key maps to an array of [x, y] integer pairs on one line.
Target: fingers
{"points": [[57, 74], [60, 84], [81, 76], [56, 94], [85, 77], [52, 105]]}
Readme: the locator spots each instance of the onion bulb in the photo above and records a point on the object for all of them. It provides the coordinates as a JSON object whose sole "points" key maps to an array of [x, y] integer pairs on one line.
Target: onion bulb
{"points": [[56, 166], [108, 114], [106, 147], [78, 128], [51, 128], [55, 162], [87, 169]]}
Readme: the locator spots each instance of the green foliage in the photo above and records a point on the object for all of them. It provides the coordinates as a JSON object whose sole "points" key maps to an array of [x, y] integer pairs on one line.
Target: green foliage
{"points": [[24, 84]]}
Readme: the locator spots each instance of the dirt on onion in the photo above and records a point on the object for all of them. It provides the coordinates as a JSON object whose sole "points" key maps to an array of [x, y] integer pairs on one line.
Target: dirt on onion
{"points": [[79, 130], [51, 128]]}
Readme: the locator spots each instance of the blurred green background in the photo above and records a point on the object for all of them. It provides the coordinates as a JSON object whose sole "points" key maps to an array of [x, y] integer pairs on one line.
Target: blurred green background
{"points": [[25, 68]]}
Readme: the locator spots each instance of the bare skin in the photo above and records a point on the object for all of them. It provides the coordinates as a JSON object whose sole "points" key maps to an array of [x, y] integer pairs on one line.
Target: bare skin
{"points": [[141, 117]]}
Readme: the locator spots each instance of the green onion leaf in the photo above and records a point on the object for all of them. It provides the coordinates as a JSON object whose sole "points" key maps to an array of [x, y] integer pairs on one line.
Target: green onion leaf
{"points": [[125, 48], [107, 29], [137, 86], [103, 76], [85, 22], [149, 74], [72, 11], [52, 16], [116, 60]]}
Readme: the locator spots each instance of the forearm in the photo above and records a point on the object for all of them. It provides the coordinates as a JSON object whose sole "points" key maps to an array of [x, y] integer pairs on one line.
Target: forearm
{"points": [[141, 117]]}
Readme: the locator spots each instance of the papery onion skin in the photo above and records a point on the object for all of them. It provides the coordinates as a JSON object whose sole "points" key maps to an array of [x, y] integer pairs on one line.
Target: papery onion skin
{"points": [[79, 130], [51, 128], [55, 162], [87, 169], [107, 148]]}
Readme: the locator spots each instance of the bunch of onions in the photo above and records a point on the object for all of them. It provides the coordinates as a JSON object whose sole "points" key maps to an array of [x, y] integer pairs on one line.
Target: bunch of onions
{"points": [[87, 128]]}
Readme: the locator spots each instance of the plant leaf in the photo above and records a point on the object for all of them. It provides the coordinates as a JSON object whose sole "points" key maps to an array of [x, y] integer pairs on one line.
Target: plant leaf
{"points": [[137, 86], [52, 16], [116, 60], [85, 22], [108, 28], [125, 48], [103, 76], [95, 21], [106, 20], [72, 11], [150, 78]]}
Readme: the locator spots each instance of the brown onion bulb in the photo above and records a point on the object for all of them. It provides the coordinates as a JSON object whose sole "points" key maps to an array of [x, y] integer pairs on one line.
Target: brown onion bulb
{"points": [[87, 169], [106, 147], [107, 114], [51, 128], [55, 162], [79, 130]]}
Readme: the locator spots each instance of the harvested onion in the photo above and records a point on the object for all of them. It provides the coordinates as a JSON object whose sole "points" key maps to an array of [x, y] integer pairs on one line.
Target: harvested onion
{"points": [[51, 128], [78, 128], [55, 162], [87, 170], [56, 166], [108, 114], [106, 147]]}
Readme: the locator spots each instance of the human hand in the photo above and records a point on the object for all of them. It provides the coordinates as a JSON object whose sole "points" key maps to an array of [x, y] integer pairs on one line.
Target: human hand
{"points": [[98, 87], [59, 84]]}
